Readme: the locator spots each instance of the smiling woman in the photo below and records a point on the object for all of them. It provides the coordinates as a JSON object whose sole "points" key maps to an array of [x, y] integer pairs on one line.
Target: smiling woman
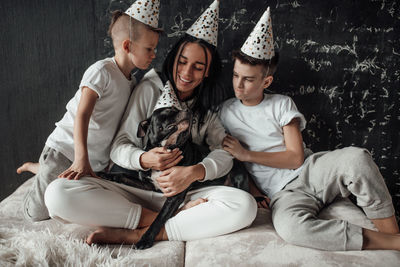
{"points": [[194, 81], [192, 67]]}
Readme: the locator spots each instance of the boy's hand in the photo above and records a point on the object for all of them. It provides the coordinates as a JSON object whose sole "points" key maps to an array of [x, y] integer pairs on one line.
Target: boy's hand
{"points": [[233, 146], [262, 201], [77, 170]]}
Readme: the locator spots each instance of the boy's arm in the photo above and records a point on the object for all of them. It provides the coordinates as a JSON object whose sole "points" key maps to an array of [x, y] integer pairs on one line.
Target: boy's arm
{"points": [[81, 166], [291, 158]]}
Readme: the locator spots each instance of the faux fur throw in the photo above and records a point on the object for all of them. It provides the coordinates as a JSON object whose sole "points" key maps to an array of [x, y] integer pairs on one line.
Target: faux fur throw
{"points": [[51, 243]]}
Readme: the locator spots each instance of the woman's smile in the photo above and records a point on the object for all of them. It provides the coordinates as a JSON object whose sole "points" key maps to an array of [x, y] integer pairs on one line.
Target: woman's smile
{"points": [[183, 80]]}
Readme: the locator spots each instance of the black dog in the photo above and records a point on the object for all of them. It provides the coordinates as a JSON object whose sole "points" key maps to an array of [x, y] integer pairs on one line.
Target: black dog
{"points": [[170, 128]]}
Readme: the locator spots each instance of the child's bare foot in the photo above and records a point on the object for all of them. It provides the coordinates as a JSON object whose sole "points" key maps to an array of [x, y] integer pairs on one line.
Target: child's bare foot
{"points": [[106, 235], [193, 203], [32, 167]]}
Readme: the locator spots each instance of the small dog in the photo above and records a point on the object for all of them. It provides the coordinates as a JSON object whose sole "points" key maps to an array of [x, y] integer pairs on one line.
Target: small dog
{"points": [[168, 127]]}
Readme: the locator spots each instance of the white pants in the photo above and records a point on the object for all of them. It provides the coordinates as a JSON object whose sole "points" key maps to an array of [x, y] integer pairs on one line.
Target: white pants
{"points": [[98, 202]]}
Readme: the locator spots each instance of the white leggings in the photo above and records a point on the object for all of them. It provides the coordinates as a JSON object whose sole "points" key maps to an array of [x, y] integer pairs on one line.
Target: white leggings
{"points": [[98, 202]]}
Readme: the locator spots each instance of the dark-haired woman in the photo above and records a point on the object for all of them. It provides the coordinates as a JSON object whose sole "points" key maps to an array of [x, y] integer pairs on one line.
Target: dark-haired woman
{"points": [[192, 67]]}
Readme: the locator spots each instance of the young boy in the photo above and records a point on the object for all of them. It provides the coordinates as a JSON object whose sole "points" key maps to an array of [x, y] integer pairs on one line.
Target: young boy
{"points": [[80, 144], [266, 134]]}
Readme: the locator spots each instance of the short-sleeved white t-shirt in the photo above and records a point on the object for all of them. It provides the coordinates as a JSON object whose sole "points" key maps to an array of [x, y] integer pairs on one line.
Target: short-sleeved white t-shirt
{"points": [[260, 128], [113, 89]]}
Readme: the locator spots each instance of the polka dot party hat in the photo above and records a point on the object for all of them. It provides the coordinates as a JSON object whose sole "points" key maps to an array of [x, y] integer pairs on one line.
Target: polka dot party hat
{"points": [[206, 26], [260, 43], [146, 11], [168, 98]]}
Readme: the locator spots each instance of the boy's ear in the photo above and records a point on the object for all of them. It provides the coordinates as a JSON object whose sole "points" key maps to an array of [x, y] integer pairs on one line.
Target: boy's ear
{"points": [[126, 45], [267, 81]]}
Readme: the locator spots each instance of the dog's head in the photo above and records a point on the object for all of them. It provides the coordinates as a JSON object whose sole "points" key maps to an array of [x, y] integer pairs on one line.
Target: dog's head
{"points": [[169, 127]]}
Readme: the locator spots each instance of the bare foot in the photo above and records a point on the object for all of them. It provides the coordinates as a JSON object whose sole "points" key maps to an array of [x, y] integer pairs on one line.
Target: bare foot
{"points": [[32, 167], [106, 235], [193, 203]]}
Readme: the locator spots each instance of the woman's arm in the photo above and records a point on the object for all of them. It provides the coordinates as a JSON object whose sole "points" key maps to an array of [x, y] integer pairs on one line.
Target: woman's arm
{"points": [[126, 148], [291, 158], [218, 162]]}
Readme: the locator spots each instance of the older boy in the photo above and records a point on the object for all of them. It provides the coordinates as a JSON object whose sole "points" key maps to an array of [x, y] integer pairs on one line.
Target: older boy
{"points": [[265, 134]]}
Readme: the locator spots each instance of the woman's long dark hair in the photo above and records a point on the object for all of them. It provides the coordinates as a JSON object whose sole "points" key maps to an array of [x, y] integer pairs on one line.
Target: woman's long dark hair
{"points": [[209, 94]]}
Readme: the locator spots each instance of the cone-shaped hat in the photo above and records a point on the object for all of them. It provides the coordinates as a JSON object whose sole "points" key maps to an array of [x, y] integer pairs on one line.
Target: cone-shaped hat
{"points": [[146, 11], [260, 43], [206, 26], [168, 98]]}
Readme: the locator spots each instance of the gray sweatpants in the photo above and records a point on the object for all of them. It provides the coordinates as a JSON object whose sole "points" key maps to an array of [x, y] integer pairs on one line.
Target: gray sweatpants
{"points": [[325, 176], [52, 164]]}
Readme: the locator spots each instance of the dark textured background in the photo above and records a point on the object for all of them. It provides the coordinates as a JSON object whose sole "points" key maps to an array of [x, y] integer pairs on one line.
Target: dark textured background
{"points": [[339, 61]]}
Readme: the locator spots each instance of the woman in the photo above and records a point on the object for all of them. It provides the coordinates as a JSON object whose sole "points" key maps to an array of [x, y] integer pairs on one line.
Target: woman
{"points": [[192, 67]]}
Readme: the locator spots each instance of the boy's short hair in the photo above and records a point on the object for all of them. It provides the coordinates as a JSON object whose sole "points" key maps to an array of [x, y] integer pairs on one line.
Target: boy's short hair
{"points": [[269, 65], [130, 25]]}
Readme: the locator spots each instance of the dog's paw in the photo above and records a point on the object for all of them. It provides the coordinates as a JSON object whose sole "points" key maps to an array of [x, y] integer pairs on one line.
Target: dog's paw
{"points": [[143, 244]]}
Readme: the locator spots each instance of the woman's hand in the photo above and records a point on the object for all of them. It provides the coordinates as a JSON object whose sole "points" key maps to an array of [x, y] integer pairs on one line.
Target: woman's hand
{"points": [[178, 178], [235, 148], [160, 158], [78, 169]]}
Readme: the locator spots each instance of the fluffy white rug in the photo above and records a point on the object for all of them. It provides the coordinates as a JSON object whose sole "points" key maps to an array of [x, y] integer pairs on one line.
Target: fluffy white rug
{"points": [[50, 243], [44, 248]]}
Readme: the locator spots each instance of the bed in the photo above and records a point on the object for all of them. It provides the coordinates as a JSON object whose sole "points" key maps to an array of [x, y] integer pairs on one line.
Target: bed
{"points": [[50, 243]]}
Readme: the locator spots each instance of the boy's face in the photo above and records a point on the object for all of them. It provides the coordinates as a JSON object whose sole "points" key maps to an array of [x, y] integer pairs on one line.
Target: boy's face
{"points": [[249, 83], [143, 49]]}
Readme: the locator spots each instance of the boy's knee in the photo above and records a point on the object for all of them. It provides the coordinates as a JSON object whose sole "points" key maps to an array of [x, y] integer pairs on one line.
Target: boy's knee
{"points": [[292, 233], [356, 156], [360, 162], [291, 230]]}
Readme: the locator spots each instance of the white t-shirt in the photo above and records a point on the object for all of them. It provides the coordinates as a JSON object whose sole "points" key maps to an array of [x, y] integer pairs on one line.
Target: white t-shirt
{"points": [[260, 128], [113, 89]]}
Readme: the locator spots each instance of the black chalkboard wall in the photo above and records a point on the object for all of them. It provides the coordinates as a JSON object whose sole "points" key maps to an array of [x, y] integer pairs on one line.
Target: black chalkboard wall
{"points": [[339, 61]]}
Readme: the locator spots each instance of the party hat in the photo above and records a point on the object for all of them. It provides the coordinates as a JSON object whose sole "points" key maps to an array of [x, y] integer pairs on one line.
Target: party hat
{"points": [[260, 43], [146, 11], [206, 26], [168, 98]]}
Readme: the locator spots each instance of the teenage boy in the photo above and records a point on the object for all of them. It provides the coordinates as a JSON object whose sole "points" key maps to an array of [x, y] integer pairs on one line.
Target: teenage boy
{"points": [[265, 133]]}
